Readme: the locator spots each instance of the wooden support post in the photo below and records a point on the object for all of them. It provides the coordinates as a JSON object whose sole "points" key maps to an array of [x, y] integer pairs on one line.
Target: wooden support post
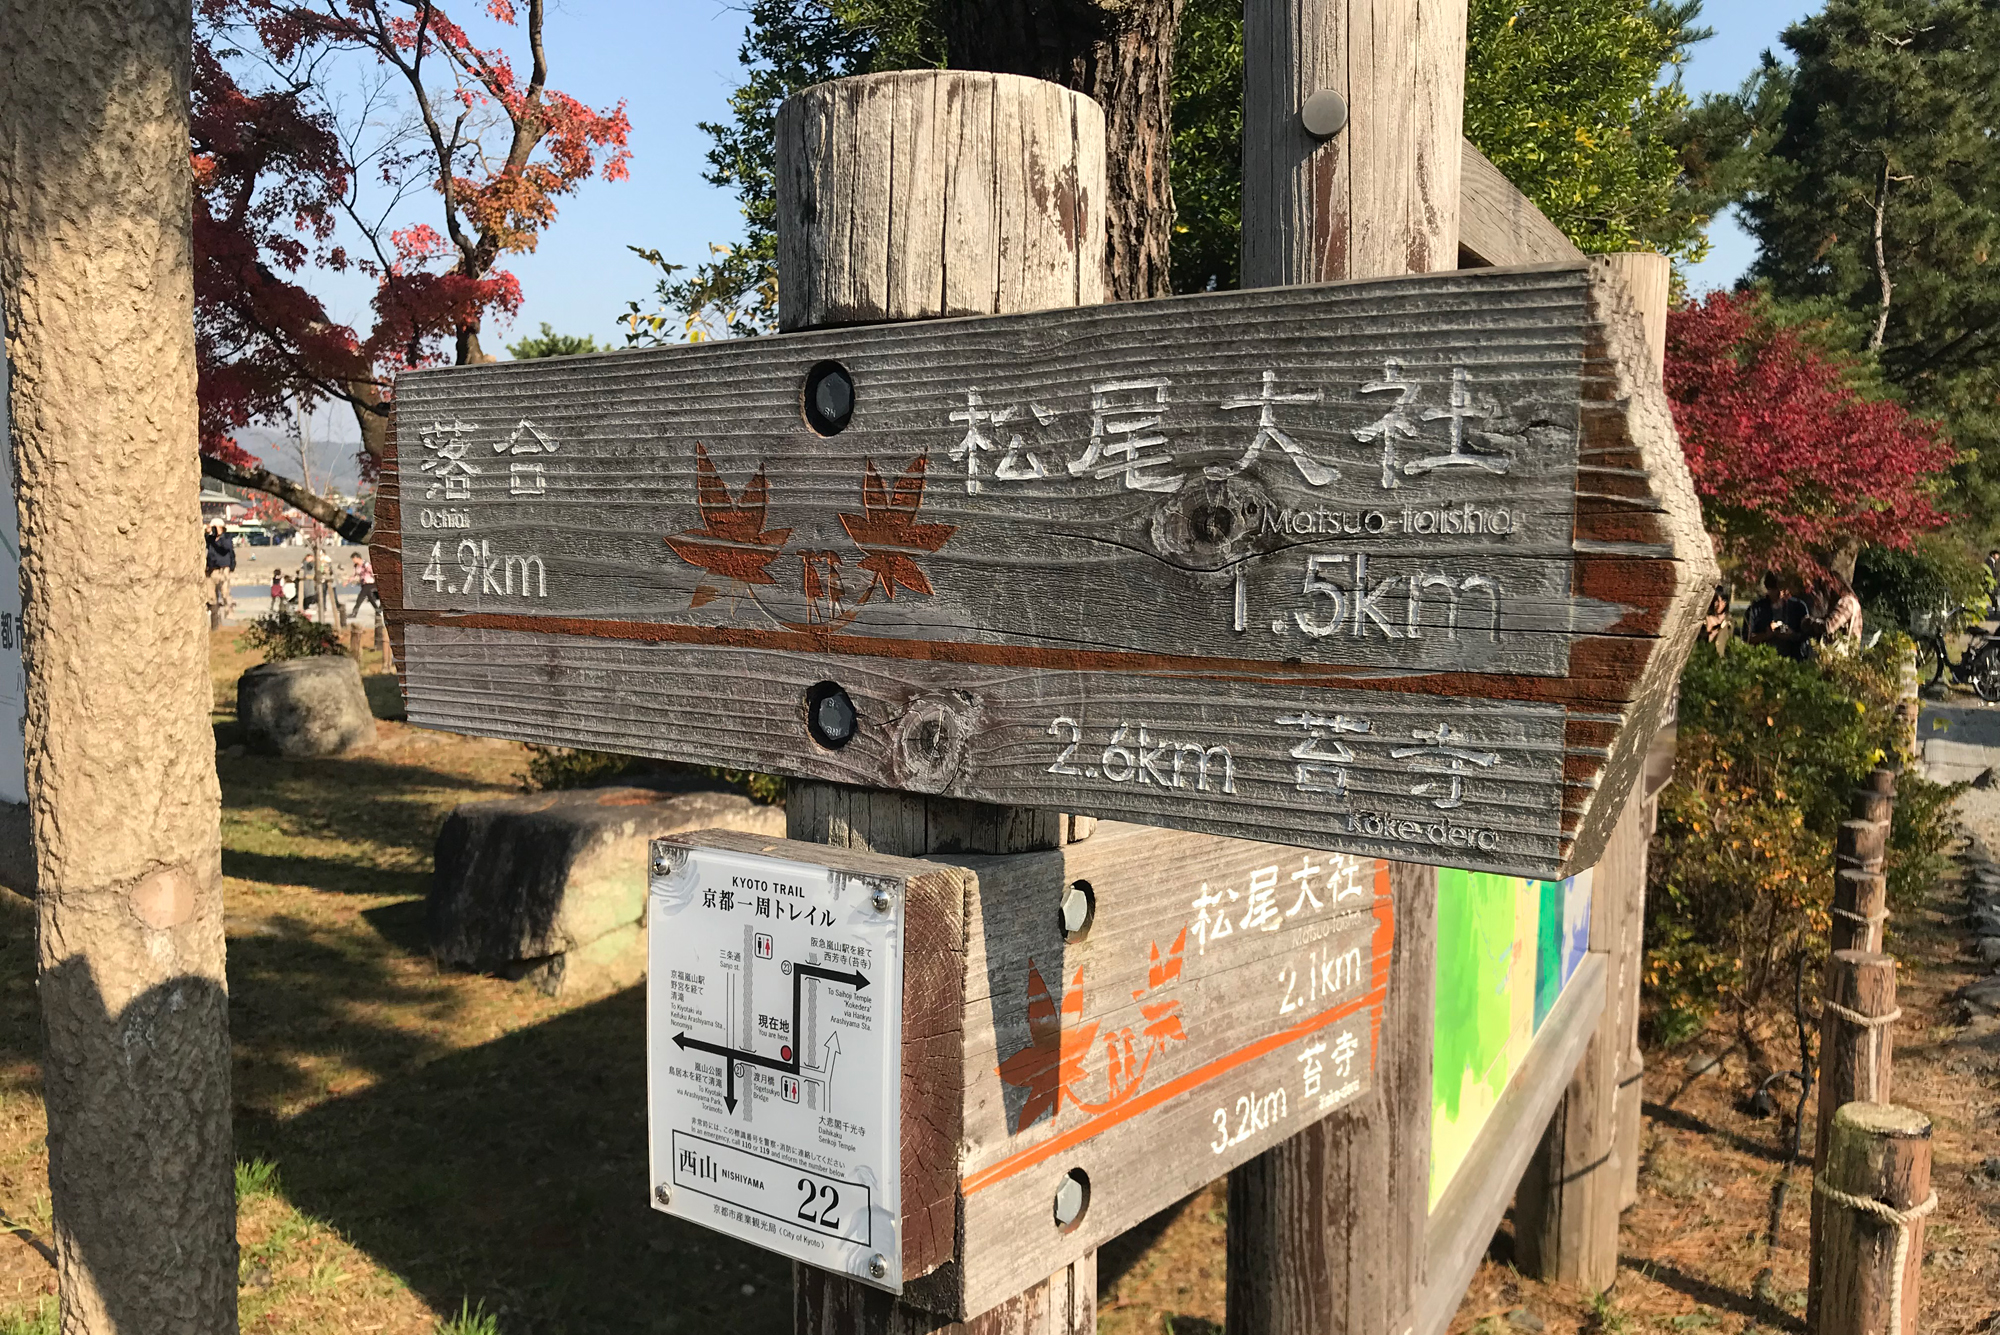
{"points": [[1326, 1232], [1874, 1193], [1566, 1208], [1648, 276], [895, 194], [1860, 907], [1860, 844], [1855, 1048]]}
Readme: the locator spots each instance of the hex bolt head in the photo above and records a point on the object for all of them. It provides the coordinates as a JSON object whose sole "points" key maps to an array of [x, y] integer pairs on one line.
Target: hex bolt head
{"points": [[878, 1266], [828, 398], [831, 718], [1324, 114], [1071, 1197], [664, 1194], [881, 899], [1078, 906]]}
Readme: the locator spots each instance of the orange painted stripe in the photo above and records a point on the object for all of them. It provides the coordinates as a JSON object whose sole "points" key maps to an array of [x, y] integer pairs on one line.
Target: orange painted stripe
{"points": [[1385, 917]]}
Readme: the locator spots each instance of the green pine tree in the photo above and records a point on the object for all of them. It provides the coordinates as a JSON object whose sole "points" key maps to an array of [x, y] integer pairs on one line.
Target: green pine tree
{"points": [[548, 343], [1868, 169], [1577, 101]]}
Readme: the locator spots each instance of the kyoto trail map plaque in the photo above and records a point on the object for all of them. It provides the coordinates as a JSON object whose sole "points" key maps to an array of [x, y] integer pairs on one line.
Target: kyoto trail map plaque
{"points": [[773, 1033]]}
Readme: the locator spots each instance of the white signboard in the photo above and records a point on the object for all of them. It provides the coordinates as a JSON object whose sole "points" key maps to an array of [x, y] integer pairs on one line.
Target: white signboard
{"points": [[774, 1002]]}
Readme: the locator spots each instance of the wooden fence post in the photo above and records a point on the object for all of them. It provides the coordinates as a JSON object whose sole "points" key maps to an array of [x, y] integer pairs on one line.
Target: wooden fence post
{"points": [[1353, 116], [1566, 1208], [895, 194], [1861, 844], [1648, 277], [1855, 1049], [1874, 1193]]}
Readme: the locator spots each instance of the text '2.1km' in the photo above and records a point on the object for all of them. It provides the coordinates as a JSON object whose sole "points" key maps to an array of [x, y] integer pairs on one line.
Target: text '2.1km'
{"points": [[1177, 561]]}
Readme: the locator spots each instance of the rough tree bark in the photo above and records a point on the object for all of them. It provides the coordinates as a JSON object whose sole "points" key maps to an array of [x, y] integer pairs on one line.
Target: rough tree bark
{"points": [[1119, 53], [97, 279]]}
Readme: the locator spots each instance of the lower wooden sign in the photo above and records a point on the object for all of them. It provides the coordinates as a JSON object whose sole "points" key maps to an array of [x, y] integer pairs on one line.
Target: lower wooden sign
{"points": [[1091, 1033]]}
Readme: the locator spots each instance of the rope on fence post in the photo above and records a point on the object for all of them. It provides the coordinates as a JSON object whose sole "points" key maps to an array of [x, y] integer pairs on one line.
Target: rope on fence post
{"points": [[1878, 1167], [1901, 1219]]}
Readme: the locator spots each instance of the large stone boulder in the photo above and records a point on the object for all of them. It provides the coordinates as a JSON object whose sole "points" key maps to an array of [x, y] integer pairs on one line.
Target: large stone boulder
{"points": [[305, 706], [552, 886]]}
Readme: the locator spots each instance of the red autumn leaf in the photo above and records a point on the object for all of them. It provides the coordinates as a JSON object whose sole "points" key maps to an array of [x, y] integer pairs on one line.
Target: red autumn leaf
{"points": [[1053, 1059], [886, 529], [732, 541]]}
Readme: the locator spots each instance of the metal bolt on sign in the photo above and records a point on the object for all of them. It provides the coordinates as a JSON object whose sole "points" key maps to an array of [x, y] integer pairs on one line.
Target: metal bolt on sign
{"points": [[1324, 114], [1079, 906], [878, 1265], [881, 899], [664, 1194], [1071, 1197]]}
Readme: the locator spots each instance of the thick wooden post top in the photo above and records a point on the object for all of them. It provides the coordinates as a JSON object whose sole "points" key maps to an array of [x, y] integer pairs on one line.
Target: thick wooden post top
{"points": [[920, 193]]}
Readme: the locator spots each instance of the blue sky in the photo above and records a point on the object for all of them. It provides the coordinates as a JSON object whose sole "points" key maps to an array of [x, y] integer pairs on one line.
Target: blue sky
{"points": [[675, 65]]}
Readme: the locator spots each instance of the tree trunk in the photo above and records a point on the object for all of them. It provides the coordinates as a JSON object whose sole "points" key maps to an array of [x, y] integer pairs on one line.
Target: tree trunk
{"points": [[1121, 55], [97, 281], [371, 417], [469, 351]]}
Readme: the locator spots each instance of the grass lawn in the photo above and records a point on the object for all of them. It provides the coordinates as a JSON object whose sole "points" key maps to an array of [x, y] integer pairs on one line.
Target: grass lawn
{"points": [[423, 1151]]}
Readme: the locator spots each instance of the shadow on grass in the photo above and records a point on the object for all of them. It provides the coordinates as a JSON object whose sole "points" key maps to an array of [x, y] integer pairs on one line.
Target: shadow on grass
{"points": [[336, 875], [515, 1174], [1687, 1121], [1713, 1295], [385, 696]]}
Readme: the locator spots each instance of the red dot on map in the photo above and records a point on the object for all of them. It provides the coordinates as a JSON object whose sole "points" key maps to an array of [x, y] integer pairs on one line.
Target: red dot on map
{"points": [[785, 1053]]}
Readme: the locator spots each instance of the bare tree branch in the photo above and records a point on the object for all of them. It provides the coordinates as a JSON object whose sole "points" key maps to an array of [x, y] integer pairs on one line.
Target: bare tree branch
{"points": [[346, 523]]}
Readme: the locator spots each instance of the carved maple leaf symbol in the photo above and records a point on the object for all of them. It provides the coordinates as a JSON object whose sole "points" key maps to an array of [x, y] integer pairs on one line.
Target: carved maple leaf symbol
{"points": [[1053, 1059], [732, 541], [885, 529]]}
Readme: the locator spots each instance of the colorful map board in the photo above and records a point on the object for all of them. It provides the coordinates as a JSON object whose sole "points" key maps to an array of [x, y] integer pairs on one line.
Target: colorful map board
{"points": [[1506, 946]]}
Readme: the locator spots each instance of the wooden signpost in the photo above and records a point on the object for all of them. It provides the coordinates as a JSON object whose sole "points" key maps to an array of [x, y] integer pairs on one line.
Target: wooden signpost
{"points": [[1329, 581], [1382, 567]]}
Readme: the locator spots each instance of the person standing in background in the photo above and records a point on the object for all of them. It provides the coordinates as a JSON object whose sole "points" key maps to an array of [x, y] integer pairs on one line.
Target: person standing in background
{"points": [[364, 575]]}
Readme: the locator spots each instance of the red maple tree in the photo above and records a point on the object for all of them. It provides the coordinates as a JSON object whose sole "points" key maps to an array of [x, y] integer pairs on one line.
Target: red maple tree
{"points": [[1795, 466], [279, 174]]}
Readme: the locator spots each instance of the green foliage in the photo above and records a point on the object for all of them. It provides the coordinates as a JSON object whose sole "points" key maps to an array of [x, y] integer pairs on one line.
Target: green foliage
{"points": [[1910, 589], [255, 1178], [1207, 155], [1741, 873], [789, 45], [1886, 104], [1568, 99], [549, 343], [470, 1321], [284, 634], [41, 1321], [1566, 96], [552, 767]]}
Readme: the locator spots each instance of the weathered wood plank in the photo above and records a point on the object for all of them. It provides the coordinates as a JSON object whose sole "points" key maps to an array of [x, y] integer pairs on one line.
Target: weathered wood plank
{"points": [[1497, 224], [918, 722], [1130, 589], [1471, 1208], [1218, 977]]}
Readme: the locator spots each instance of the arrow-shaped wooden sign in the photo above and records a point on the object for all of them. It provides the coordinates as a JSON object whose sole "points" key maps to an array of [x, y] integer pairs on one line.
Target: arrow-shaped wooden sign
{"points": [[1403, 567]]}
